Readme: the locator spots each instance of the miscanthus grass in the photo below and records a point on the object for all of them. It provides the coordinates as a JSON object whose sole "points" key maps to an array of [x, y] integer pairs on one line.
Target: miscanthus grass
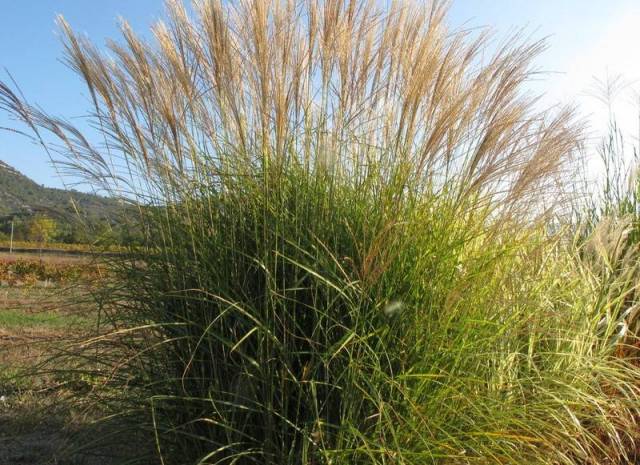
{"points": [[345, 257]]}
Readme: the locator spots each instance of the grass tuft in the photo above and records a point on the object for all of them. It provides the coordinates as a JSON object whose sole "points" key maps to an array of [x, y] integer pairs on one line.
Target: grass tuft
{"points": [[345, 255]]}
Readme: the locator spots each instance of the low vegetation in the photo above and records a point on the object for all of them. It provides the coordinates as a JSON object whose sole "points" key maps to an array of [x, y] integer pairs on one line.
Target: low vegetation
{"points": [[355, 246], [39, 319], [43, 271]]}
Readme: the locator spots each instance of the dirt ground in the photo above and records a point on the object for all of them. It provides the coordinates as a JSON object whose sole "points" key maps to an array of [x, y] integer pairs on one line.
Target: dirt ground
{"points": [[36, 426], [45, 257]]}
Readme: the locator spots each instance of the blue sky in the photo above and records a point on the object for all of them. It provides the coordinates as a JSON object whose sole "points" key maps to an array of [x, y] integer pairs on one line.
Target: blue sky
{"points": [[586, 38], [30, 49]]}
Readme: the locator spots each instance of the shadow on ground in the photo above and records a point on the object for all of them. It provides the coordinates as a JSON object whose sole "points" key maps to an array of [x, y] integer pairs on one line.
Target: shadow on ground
{"points": [[39, 435]]}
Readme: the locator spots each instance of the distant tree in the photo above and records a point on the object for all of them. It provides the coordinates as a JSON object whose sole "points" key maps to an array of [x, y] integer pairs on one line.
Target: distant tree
{"points": [[41, 229]]}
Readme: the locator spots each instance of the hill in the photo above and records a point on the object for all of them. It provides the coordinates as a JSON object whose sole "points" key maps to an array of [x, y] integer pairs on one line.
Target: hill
{"points": [[78, 217], [22, 196]]}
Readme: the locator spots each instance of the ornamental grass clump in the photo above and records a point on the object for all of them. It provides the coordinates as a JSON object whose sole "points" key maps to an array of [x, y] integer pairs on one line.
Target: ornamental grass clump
{"points": [[344, 258]]}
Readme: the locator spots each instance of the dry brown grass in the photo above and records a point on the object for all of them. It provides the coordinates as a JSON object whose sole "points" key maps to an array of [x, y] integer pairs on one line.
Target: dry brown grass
{"points": [[45, 257], [338, 86]]}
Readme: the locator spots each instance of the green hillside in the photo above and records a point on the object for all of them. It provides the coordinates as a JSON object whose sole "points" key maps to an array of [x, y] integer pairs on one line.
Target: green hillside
{"points": [[79, 216], [21, 195]]}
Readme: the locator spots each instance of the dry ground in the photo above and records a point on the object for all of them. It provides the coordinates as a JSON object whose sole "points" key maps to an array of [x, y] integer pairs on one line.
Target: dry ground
{"points": [[45, 257], [36, 427]]}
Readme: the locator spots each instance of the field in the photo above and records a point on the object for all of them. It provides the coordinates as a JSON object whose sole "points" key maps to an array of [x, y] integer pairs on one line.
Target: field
{"points": [[27, 246], [38, 315], [54, 248]]}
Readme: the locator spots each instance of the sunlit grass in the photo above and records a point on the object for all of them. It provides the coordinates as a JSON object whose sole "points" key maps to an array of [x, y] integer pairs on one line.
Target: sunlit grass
{"points": [[14, 319]]}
